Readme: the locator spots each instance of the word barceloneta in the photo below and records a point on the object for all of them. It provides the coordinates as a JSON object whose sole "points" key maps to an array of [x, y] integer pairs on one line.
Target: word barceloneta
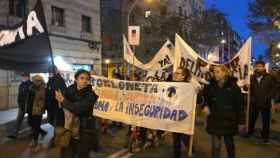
{"points": [[125, 85]]}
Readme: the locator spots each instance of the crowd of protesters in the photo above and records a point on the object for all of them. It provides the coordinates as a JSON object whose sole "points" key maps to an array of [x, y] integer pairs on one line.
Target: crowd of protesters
{"points": [[76, 130]]}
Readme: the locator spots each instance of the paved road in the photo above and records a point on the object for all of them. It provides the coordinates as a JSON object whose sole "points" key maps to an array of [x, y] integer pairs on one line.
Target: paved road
{"points": [[113, 146]]}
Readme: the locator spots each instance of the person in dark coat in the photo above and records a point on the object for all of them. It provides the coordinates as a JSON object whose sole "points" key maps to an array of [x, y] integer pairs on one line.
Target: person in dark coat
{"points": [[36, 108], [224, 109], [261, 92], [79, 99], [56, 82], [23, 91]]}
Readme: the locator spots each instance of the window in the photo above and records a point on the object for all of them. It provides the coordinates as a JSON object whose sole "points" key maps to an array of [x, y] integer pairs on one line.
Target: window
{"points": [[147, 13], [18, 8], [86, 24], [180, 11], [58, 17]]}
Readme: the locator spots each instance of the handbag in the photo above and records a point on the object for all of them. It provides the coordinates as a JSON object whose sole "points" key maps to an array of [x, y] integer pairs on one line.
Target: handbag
{"points": [[62, 137]]}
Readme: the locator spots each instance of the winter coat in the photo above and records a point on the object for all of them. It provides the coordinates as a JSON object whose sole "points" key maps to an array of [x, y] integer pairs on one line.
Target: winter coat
{"points": [[36, 100], [23, 92], [81, 103], [262, 92], [226, 107], [55, 114]]}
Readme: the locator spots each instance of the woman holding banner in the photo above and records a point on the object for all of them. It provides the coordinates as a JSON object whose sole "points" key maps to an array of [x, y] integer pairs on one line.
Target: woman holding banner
{"points": [[79, 99], [223, 106], [181, 75]]}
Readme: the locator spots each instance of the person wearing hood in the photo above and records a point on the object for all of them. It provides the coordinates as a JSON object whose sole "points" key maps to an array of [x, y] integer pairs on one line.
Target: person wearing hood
{"points": [[261, 91], [79, 99], [224, 109], [55, 82], [36, 108], [55, 113]]}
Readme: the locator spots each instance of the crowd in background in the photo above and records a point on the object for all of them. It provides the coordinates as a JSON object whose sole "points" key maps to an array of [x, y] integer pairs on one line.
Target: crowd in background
{"points": [[77, 132]]}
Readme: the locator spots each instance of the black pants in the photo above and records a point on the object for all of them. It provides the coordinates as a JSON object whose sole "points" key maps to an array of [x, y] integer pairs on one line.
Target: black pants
{"points": [[177, 139], [35, 123], [20, 117], [217, 144], [56, 116], [266, 114], [80, 148]]}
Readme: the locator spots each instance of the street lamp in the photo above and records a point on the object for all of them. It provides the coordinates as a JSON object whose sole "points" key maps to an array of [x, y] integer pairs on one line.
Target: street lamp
{"points": [[147, 14], [107, 62], [132, 8], [278, 45], [223, 41]]}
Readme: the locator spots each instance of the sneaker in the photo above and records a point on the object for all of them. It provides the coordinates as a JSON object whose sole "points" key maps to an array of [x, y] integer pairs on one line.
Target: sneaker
{"points": [[266, 142], [51, 144], [248, 135], [12, 136], [33, 144]]}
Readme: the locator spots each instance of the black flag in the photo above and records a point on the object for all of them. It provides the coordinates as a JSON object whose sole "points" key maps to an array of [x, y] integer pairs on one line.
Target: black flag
{"points": [[26, 46]]}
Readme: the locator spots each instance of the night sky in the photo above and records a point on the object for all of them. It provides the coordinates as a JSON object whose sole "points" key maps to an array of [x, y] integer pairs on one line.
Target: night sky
{"points": [[237, 11]]}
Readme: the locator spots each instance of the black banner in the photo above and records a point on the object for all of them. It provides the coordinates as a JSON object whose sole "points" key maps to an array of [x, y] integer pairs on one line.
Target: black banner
{"points": [[25, 47]]}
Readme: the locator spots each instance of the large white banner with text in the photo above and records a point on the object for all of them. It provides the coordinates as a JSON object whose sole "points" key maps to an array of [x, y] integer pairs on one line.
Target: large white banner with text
{"points": [[168, 106]]}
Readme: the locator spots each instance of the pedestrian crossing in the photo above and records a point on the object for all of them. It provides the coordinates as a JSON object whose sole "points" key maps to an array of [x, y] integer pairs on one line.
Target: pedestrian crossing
{"points": [[124, 153]]}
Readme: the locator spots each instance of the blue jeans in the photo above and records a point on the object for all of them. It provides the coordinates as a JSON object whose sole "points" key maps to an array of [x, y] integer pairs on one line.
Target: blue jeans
{"points": [[217, 144]]}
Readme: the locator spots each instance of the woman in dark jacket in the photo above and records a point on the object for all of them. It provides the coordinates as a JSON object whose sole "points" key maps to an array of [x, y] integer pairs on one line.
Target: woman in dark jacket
{"points": [[79, 99], [224, 110]]}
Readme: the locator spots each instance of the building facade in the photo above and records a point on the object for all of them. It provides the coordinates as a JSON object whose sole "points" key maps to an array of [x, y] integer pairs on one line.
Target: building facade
{"points": [[111, 32], [231, 42], [75, 34], [185, 7]]}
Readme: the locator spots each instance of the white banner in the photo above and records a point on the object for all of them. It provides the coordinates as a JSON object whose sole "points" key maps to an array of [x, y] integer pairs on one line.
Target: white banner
{"points": [[239, 66], [168, 106], [159, 67], [162, 59]]}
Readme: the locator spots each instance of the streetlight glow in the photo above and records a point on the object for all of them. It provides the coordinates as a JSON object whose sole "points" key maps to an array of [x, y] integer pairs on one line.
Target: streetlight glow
{"points": [[278, 45], [147, 13], [223, 41], [107, 61]]}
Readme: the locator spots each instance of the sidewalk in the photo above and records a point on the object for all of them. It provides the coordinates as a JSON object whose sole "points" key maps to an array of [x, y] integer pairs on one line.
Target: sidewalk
{"points": [[8, 120], [7, 116]]}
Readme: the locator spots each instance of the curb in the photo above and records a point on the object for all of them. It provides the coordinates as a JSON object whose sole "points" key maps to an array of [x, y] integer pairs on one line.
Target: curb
{"points": [[7, 127]]}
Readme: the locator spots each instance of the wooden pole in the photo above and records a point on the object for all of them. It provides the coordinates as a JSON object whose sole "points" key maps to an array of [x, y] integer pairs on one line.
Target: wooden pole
{"points": [[190, 146], [248, 111], [133, 66]]}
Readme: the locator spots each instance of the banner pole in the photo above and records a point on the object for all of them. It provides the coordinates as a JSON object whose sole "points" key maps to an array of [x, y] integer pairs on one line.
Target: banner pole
{"points": [[133, 66], [190, 146], [248, 111], [190, 149], [47, 32]]}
